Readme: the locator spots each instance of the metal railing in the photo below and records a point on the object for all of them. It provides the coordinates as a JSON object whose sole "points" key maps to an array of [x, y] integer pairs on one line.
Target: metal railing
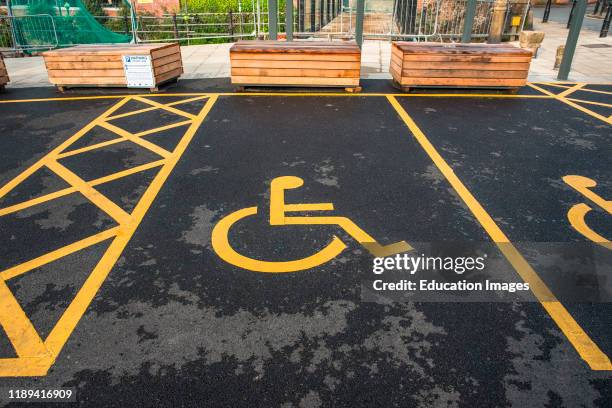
{"points": [[439, 20], [30, 32]]}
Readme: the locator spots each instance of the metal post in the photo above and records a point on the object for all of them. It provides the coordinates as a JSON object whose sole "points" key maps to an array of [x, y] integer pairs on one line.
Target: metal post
{"points": [[313, 16], [571, 15], [289, 19], [547, 11], [497, 22], [606, 23], [470, 12], [273, 19], [359, 22], [572, 39], [230, 17]]}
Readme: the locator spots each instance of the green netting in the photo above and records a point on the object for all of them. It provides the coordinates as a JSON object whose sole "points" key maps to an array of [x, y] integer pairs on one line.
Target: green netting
{"points": [[44, 23]]}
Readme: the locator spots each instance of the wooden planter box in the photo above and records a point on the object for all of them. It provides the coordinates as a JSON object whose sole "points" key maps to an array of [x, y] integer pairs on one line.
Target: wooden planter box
{"points": [[4, 78], [102, 65], [296, 63], [458, 65]]}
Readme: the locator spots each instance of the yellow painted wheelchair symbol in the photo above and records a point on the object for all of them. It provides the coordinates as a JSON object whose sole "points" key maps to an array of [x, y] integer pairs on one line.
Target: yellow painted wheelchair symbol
{"points": [[576, 215], [278, 210]]}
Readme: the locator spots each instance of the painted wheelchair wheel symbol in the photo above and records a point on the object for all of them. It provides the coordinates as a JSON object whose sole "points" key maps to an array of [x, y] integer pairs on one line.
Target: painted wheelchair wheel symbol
{"points": [[278, 210]]}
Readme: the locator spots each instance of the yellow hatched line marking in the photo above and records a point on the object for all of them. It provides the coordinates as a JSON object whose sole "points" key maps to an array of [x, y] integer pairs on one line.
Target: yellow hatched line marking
{"points": [[572, 104], [57, 254], [35, 356], [162, 128], [143, 110], [571, 90], [91, 147], [17, 326], [70, 190], [106, 205], [53, 154], [165, 107], [590, 102], [583, 344], [133, 138], [60, 333]]}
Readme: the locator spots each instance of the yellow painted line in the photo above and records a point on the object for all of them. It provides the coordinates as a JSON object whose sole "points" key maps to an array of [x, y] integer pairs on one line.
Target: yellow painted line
{"points": [[607, 105], [301, 94], [17, 326], [66, 324], [573, 105], [106, 205], [165, 107], [131, 137], [70, 190], [570, 90], [51, 155], [586, 348], [57, 254], [91, 147], [74, 98], [143, 110], [162, 128]]}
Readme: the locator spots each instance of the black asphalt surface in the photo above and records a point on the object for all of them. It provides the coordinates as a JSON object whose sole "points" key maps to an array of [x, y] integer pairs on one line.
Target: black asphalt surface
{"points": [[174, 325]]}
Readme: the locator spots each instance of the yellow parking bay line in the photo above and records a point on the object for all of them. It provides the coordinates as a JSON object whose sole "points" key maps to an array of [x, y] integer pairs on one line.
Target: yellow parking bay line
{"points": [[588, 350]]}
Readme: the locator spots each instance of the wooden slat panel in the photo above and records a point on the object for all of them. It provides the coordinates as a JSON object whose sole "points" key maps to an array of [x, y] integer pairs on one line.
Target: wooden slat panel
{"points": [[256, 80], [78, 73], [168, 67], [395, 66], [87, 81], [461, 73], [295, 47], [265, 63], [462, 82], [322, 73], [83, 65], [174, 49], [168, 75], [464, 58], [158, 62], [83, 58], [295, 57], [482, 66]]}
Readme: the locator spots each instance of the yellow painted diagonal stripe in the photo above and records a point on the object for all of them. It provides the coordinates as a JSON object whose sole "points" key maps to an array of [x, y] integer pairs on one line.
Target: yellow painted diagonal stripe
{"points": [[57, 254], [51, 155], [164, 107], [70, 190], [135, 139], [106, 205]]}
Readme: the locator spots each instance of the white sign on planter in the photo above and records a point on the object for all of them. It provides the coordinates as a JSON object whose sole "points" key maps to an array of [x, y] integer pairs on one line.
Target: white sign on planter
{"points": [[138, 71]]}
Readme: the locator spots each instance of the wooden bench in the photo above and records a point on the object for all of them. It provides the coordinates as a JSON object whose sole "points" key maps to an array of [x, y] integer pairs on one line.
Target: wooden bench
{"points": [[103, 65], [458, 65], [4, 78], [296, 63]]}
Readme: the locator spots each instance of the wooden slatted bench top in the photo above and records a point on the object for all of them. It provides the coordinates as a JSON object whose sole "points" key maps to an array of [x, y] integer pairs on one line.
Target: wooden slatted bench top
{"points": [[296, 63], [119, 49], [461, 49], [303, 47]]}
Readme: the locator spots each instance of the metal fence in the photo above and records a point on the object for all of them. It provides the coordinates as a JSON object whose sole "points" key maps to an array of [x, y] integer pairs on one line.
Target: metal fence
{"points": [[37, 31], [422, 20], [440, 20]]}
